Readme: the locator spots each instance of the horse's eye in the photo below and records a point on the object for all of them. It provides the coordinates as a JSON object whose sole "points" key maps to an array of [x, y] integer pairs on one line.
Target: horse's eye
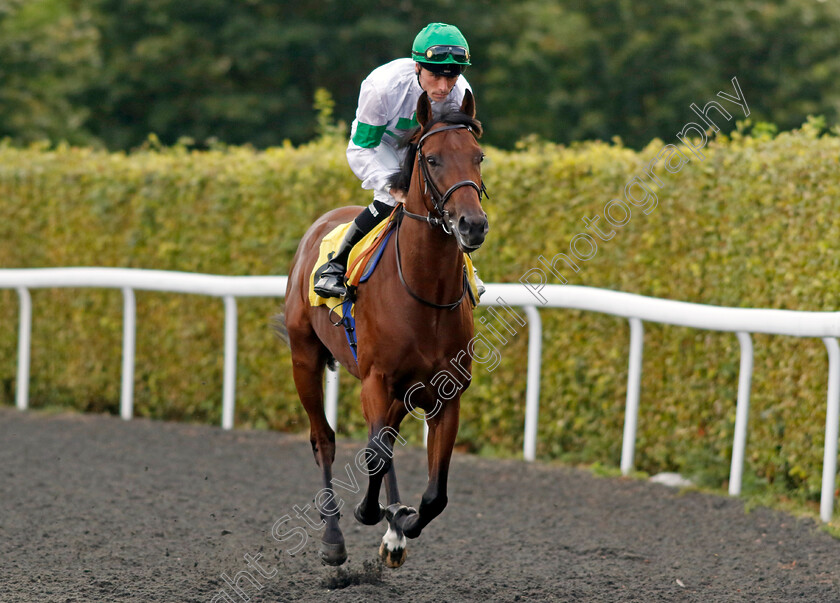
{"points": [[432, 160], [481, 158]]}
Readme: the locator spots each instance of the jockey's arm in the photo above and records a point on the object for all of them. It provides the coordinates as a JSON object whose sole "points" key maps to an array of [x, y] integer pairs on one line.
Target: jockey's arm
{"points": [[373, 166], [372, 161]]}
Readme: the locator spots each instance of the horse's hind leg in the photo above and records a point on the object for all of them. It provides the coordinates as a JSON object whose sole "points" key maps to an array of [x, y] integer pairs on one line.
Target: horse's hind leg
{"points": [[392, 550], [392, 491], [309, 357]]}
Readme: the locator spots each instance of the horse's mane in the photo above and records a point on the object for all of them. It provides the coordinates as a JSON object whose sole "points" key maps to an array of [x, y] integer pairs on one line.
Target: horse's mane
{"points": [[401, 179]]}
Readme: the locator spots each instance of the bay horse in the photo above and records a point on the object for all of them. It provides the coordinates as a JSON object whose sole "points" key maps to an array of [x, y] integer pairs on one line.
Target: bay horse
{"points": [[410, 323]]}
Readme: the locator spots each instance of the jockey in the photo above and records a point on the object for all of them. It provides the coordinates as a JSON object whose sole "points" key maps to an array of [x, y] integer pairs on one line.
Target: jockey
{"points": [[386, 111]]}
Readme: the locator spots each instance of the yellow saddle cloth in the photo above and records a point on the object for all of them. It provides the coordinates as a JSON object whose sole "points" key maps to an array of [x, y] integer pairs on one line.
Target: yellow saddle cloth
{"points": [[359, 269]]}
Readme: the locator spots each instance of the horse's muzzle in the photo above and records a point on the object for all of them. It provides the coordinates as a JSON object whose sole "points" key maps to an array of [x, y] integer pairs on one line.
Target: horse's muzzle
{"points": [[471, 232]]}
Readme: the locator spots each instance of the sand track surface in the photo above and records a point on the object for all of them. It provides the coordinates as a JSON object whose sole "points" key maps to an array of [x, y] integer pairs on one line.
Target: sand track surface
{"points": [[93, 508]]}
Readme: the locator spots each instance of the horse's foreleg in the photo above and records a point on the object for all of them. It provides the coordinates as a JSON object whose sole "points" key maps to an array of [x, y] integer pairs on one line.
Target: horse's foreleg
{"points": [[443, 428], [392, 491], [377, 456], [406, 521], [308, 360]]}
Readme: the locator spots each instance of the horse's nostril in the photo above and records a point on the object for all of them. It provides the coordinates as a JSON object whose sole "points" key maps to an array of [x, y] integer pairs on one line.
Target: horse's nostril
{"points": [[473, 228]]}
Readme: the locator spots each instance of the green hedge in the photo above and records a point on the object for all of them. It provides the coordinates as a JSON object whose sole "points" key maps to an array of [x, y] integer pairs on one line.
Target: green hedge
{"points": [[752, 225]]}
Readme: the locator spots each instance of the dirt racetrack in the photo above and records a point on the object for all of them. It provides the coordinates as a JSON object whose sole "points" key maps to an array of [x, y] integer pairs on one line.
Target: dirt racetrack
{"points": [[93, 508]]}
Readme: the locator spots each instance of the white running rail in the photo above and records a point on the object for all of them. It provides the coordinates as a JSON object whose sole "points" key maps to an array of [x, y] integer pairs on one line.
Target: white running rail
{"points": [[636, 308], [129, 280]]}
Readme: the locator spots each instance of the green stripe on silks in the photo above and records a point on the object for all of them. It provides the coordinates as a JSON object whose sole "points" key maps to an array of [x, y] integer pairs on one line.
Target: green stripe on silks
{"points": [[407, 124], [368, 136]]}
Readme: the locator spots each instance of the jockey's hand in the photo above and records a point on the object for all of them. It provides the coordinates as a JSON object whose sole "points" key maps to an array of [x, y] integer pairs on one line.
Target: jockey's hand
{"points": [[398, 194]]}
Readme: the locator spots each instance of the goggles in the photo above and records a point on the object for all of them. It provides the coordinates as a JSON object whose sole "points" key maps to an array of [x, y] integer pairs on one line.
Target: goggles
{"points": [[440, 52]]}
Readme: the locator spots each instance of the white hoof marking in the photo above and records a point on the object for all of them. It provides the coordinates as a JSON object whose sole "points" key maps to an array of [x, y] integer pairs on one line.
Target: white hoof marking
{"points": [[393, 542]]}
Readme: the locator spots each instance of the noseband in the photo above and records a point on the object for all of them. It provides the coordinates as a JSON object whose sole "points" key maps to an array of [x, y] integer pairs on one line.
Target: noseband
{"points": [[439, 200]]}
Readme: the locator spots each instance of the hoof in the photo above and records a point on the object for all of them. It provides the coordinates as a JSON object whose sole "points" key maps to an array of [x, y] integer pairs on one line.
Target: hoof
{"points": [[396, 511], [392, 551], [368, 521], [404, 520], [333, 554], [392, 559]]}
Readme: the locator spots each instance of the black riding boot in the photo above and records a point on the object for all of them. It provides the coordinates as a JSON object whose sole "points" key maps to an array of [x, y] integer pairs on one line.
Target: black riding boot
{"points": [[330, 276]]}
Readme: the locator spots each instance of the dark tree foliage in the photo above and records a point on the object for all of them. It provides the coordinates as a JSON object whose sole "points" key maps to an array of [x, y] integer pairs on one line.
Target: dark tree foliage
{"points": [[246, 71], [236, 71], [48, 59]]}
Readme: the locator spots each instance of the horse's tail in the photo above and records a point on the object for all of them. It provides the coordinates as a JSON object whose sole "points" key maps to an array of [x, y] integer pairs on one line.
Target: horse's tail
{"points": [[278, 325]]}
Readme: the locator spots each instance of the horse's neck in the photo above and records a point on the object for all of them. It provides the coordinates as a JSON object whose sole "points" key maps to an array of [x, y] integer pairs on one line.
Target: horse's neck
{"points": [[431, 260]]}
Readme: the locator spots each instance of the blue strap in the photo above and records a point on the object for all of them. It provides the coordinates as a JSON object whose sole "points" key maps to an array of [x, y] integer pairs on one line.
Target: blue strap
{"points": [[349, 324], [375, 260]]}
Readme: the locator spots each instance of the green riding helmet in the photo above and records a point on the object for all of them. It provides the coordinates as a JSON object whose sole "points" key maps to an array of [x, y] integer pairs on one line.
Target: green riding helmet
{"points": [[441, 49]]}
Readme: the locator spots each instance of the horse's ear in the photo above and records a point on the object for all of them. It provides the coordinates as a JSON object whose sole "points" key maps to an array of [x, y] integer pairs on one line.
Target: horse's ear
{"points": [[424, 110], [468, 105]]}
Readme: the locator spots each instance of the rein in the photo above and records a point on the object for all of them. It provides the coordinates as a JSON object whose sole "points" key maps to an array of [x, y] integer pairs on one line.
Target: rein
{"points": [[438, 201], [400, 213]]}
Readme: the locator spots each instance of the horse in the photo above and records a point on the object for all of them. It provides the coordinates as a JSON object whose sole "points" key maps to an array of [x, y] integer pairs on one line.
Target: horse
{"points": [[411, 322]]}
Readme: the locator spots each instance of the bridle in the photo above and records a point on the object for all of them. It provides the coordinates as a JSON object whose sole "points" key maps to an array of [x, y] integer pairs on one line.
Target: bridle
{"points": [[439, 200], [442, 219]]}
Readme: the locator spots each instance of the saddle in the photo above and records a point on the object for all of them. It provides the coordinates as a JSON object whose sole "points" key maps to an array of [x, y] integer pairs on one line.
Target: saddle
{"points": [[364, 257]]}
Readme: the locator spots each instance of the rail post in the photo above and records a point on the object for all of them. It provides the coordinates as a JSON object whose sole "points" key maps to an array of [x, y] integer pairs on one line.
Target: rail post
{"points": [[742, 414], [24, 348], [832, 415], [634, 380], [229, 384], [532, 391], [331, 406], [129, 345]]}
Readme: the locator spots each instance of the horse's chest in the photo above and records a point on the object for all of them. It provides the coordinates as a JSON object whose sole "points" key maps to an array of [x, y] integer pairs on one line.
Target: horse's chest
{"points": [[418, 353], [427, 340]]}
